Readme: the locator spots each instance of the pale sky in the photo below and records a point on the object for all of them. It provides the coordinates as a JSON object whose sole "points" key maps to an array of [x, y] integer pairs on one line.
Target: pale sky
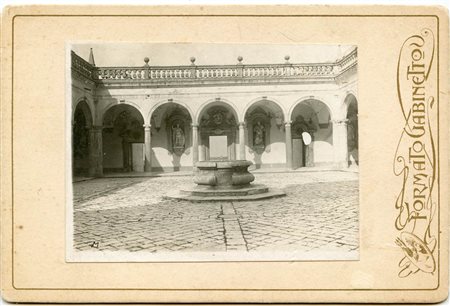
{"points": [[164, 54]]}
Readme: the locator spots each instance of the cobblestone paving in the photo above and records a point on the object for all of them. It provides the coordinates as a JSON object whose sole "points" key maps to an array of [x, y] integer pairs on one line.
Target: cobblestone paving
{"points": [[319, 213]]}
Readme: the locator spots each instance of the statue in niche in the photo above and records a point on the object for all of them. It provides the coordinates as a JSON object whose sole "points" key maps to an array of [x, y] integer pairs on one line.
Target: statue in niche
{"points": [[178, 136], [258, 134]]}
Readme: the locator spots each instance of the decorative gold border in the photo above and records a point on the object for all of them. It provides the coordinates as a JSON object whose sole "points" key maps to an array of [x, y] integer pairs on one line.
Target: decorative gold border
{"points": [[215, 15], [415, 156]]}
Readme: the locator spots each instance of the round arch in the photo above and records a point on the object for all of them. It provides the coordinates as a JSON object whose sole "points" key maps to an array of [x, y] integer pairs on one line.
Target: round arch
{"points": [[217, 102], [126, 102], [264, 120], [81, 142], [351, 114], [161, 103], [123, 138], [304, 100], [83, 105], [261, 99], [313, 116], [350, 99]]}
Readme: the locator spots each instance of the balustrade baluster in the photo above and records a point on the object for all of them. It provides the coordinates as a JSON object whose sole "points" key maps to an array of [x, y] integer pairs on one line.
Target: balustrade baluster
{"points": [[213, 72]]}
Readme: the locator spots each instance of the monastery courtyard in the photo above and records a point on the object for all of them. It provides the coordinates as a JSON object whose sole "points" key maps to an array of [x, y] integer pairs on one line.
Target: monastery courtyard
{"points": [[318, 214]]}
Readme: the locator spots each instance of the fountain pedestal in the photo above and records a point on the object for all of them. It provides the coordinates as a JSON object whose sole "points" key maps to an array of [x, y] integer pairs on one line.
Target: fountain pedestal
{"points": [[225, 181], [223, 174]]}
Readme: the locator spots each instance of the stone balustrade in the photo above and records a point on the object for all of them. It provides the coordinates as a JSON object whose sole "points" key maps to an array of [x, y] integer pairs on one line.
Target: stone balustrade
{"points": [[83, 67], [348, 61], [235, 73]]}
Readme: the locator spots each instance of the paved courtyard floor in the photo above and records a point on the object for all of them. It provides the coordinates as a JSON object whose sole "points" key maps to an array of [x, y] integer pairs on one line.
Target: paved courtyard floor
{"points": [[318, 214]]}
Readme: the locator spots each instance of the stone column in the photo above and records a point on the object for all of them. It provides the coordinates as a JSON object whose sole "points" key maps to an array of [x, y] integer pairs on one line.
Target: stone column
{"points": [[96, 151], [194, 144], [340, 143], [147, 148], [201, 149], [242, 140], [287, 126], [126, 154]]}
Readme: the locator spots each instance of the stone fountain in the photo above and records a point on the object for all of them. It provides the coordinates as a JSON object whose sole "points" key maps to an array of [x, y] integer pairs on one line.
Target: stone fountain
{"points": [[225, 181]]}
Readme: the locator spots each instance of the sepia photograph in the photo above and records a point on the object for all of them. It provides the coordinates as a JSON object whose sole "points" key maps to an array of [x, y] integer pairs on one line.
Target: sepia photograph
{"points": [[213, 151]]}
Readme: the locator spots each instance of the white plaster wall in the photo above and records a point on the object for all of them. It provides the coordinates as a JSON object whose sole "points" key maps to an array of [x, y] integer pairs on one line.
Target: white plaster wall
{"points": [[323, 148], [162, 157]]}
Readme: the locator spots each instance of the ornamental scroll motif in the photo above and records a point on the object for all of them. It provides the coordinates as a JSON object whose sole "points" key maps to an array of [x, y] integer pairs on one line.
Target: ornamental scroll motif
{"points": [[218, 121], [415, 161]]}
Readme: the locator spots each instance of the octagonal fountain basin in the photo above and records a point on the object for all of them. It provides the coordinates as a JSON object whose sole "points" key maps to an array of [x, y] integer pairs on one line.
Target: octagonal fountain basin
{"points": [[225, 181]]}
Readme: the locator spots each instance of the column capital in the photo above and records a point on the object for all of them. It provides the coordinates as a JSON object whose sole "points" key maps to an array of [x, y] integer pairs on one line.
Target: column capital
{"points": [[97, 128], [194, 125], [287, 123], [242, 124], [147, 126]]}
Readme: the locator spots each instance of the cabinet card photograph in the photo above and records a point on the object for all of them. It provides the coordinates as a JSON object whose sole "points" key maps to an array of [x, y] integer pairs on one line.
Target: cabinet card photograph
{"points": [[218, 154]]}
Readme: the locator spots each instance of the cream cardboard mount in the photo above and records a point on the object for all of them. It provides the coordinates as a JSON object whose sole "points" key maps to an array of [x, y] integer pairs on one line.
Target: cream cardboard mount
{"points": [[401, 177]]}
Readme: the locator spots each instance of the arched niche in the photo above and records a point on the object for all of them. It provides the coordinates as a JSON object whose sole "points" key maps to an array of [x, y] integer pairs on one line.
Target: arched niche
{"points": [[123, 138], [218, 132], [313, 117], [81, 124], [352, 129], [264, 121], [171, 126]]}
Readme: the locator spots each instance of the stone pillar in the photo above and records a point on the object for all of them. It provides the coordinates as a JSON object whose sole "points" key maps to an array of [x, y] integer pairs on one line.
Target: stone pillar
{"points": [[126, 148], [242, 140], [201, 149], [340, 143], [195, 157], [287, 126], [147, 148], [96, 151]]}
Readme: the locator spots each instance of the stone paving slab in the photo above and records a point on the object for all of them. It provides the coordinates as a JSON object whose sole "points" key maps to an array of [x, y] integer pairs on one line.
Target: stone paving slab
{"points": [[318, 213]]}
